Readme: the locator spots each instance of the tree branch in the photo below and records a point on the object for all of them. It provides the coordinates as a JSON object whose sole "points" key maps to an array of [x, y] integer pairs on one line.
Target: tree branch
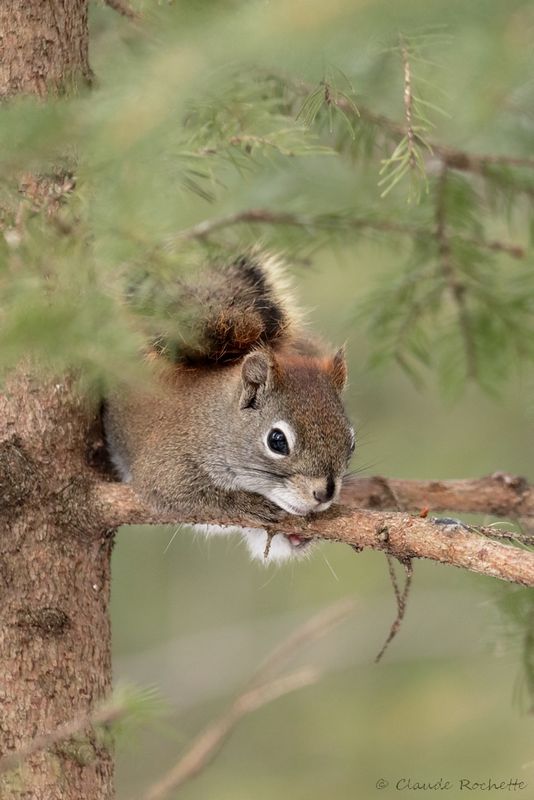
{"points": [[500, 494], [124, 8], [265, 216], [450, 274], [398, 534], [206, 746], [453, 157], [408, 105], [261, 689]]}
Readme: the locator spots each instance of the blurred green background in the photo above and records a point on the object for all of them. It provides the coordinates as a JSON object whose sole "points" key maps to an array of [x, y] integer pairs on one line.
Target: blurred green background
{"points": [[193, 615]]}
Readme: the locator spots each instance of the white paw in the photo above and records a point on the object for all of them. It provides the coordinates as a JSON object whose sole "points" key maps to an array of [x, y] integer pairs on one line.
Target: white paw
{"points": [[282, 547]]}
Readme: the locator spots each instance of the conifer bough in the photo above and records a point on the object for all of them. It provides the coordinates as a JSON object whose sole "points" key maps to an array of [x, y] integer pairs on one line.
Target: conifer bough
{"points": [[399, 534]]}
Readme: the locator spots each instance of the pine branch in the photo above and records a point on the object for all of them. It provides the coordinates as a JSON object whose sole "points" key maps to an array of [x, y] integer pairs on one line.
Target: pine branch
{"points": [[450, 275], [463, 161], [248, 142], [408, 106], [264, 216], [500, 494], [402, 536], [454, 158]]}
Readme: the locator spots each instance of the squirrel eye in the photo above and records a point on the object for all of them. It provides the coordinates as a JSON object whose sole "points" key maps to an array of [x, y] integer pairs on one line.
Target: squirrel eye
{"points": [[277, 442]]}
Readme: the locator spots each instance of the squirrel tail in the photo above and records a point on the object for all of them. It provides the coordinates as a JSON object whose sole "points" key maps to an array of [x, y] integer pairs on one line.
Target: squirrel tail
{"points": [[231, 310]]}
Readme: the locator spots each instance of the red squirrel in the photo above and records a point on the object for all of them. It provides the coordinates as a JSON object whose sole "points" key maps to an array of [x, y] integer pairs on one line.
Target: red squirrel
{"points": [[247, 416]]}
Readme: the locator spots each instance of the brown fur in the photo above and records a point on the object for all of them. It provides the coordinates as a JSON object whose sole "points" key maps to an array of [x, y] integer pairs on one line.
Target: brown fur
{"points": [[198, 438], [231, 309]]}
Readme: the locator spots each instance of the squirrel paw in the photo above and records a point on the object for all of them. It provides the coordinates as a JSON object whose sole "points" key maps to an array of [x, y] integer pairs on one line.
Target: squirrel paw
{"points": [[280, 548]]}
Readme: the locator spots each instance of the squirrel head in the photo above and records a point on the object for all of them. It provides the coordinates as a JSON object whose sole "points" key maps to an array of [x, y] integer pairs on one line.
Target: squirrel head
{"points": [[297, 435]]}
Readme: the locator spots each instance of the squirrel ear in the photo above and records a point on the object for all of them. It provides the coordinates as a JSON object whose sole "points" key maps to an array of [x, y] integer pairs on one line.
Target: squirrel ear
{"points": [[338, 369], [257, 373]]}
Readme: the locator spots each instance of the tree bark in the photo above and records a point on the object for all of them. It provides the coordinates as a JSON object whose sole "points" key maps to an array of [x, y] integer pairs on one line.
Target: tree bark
{"points": [[400, 535], [55, 659], [43, 46], [500, 494], [54, 549]]}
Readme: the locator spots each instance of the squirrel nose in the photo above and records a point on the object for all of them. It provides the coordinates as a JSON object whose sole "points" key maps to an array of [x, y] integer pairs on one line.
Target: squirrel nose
{"points": [[326, 494]]}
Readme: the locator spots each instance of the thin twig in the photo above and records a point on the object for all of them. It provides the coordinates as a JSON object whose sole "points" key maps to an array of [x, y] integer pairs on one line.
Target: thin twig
{"points": [[270, 536], [265, 216], [393, 578], [312, 630], [259, 691], [401, 598], [453, 157], [124, 8], [524, 538], [408, 106], [514, 250], [449, 272], [205, 747]]}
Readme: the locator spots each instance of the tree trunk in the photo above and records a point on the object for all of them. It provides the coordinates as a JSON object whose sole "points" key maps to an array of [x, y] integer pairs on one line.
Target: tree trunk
{"points": [[54, 593], [43, 46], [55, 550]]}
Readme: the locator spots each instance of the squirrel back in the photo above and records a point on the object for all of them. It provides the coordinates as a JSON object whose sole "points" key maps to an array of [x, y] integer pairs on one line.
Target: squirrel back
{"points": [[245, 416], [227, 311]]}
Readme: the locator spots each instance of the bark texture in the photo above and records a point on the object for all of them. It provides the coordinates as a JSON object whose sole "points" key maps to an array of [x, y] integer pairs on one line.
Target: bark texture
{"points": [[54, 550], [43, 46], [500, 494], [399, 534], [55, 659]]}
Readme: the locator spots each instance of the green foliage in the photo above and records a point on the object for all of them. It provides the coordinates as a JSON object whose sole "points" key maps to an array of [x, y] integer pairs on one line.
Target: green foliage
{"points": [[414, 314], [413, 148], [517, 607], [130, 708], [204, 115], [121, 718], [329, 100]]}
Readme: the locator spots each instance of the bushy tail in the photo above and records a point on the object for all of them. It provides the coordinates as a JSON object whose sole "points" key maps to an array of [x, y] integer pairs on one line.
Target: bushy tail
{"points": [[229, 310]]}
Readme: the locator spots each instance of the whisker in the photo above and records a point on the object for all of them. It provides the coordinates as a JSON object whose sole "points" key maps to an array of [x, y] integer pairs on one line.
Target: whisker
{"points": [[173, 537], [266, 472], [330, 567], [353, 473], [269, 580]]}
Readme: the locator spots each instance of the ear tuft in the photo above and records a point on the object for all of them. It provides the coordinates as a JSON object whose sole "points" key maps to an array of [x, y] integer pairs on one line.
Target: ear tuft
{"points": [[257, 373], [338, 369]]}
